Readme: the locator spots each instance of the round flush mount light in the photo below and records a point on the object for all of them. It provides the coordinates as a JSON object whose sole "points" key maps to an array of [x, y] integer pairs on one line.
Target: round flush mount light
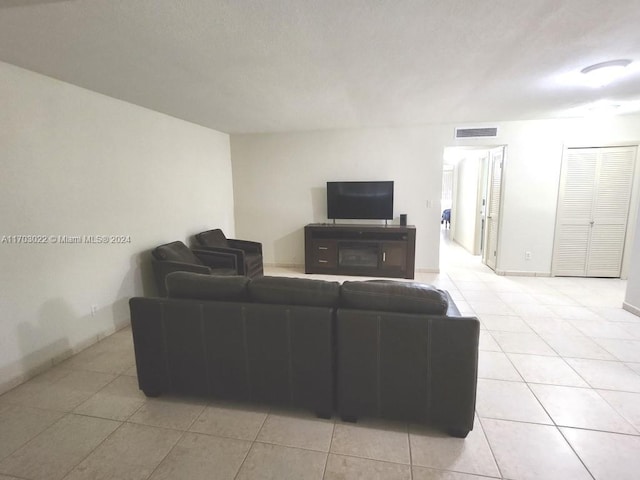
{"points": [[604, 73]]}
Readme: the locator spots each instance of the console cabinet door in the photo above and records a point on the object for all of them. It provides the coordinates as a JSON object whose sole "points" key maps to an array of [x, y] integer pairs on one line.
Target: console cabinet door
{"points": [[394, 255]]}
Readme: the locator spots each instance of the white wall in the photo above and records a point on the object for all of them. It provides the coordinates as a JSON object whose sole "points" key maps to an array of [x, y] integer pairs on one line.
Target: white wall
{"points": [[279, 181], [532, 177], [74, 162], [632, 295]]}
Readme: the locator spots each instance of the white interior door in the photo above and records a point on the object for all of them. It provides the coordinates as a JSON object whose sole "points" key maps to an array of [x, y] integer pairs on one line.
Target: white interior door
{"points": [[496, 163], [611, 211], [575, 204], [481, 204], [593, 209]]}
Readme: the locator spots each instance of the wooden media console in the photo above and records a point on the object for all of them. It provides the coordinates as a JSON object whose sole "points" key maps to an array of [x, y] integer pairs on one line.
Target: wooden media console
{"points": [[366, 250]]}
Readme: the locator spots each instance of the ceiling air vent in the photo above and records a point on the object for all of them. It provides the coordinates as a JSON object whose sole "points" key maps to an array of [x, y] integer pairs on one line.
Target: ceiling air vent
{"points": [[476, 132]]}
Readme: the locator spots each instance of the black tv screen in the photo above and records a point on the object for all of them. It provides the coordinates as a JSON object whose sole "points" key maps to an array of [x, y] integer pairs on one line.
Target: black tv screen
{"points": [[360, 200]]}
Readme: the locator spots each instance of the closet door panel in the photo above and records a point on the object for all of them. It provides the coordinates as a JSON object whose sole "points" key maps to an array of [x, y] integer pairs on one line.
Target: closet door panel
{"points": [[572, 248], [610, 211], [605, 250], [575, 204], [578, 186], [593, 209]]}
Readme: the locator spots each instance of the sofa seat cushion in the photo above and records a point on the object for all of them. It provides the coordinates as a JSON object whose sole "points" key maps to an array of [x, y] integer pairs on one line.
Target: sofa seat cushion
{"points": [[294, 291], [393, 296], [231, 288]]}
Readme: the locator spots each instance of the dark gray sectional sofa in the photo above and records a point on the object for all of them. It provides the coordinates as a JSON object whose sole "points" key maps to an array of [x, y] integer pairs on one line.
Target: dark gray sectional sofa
{"points": [[387, 349]]}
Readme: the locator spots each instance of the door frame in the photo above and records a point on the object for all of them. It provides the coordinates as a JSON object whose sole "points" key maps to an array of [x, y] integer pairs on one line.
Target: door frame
{"points": [[483, 177]]}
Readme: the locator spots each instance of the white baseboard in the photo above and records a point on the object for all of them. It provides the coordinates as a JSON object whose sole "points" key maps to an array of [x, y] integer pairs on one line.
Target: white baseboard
{"points": [[284, 265], [427, 270], [301, 267], [518, 273], [630, 308]]}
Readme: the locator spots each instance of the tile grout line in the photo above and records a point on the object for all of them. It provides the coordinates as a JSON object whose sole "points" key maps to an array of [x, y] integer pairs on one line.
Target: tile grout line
{"points": [[493, 455], [410, 451], [253, 442], [576, 453], [94, 449], [178, 440], [636, 428], [326, 462]]}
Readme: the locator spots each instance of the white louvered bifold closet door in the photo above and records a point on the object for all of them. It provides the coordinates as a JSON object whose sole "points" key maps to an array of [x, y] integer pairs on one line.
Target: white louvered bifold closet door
{"points": [[593, 207]]}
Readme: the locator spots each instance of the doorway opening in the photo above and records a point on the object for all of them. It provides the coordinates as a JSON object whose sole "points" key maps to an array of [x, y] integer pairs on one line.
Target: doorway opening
{"points": [[472, 192]]}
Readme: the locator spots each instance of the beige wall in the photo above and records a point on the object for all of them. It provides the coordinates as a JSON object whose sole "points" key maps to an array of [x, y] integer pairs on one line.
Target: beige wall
{"points": [[74, 162], [279, 181]]}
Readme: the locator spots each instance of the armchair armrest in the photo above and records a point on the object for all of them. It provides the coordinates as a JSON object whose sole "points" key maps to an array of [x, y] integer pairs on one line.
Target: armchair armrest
{"points": [[246, 245], [218, 258], [162, 268], [169, 266], [237, 254]]}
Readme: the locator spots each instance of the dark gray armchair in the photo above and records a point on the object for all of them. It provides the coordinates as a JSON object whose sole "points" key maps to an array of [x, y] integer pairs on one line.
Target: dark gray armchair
{"points": [[177, 257], [248, 254]]}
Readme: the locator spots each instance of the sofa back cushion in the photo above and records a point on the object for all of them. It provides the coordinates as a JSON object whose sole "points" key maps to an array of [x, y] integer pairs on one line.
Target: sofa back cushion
{"points": [[176, 252], [294, 291], [212, 238], [393, 296], [229, 288]]}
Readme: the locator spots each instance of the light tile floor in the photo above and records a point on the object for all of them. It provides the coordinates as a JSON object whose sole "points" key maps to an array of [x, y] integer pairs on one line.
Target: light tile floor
{"points": [[558, 398]]}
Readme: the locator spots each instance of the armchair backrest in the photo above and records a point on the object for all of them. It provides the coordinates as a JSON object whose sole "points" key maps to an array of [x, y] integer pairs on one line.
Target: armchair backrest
{"points": [[176, 252], [212, 238]]}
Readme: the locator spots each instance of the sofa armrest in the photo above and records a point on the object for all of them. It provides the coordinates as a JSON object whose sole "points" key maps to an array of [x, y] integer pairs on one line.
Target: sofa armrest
{"points": [[162, 268], [246, 245], [453, 359], [216, 257], [408, 367], [452, 308], [149, 336]]}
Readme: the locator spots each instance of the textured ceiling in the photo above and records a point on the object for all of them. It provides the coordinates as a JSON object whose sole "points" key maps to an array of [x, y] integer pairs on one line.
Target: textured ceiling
{"points": [[286, 65]]}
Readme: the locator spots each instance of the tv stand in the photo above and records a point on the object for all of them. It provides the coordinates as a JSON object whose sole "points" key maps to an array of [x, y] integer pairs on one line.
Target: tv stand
{"points": [[365, 250]]}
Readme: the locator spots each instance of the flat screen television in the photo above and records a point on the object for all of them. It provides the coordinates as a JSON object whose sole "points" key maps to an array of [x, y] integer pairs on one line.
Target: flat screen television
{"points": [[360, 200]]}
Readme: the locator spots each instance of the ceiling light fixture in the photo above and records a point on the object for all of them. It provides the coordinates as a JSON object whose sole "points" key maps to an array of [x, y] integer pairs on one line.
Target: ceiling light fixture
{"points": [[604, 73]]}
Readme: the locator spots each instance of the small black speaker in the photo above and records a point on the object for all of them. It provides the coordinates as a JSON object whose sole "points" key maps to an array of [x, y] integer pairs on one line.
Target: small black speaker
{"points": [[403, 219]]}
